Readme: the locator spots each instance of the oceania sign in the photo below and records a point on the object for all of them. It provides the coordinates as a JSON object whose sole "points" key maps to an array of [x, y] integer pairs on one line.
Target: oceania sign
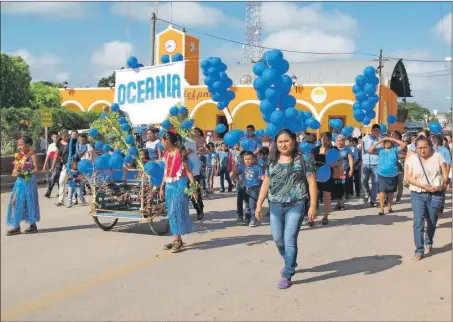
{"points": [[146, 94]]}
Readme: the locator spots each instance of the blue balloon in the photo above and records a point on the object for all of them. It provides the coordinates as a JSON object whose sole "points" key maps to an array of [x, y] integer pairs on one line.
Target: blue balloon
{"points": [[356, 106], [99, 145], [125, 127], [266, 107], [258, 68], [133, 150], [391, 119], [288, 101], [291, 113], [220, 128], [106, 148], [183, 110], [208, 80], [271, 130], [332, 156], [383, 128], [266, 118], [372, 80], [374, 99], [222, 67], [307, 114], [366, 120], [166, 124], [215, 61], [93, 132], [281, 66], [103, 116], [232, 137], [272, 95], [356, 88], [205, 64], [306, 147], [371, 114], [116, 162], [323, 173], [102, 162], [301, 116], [186, 125], [259, 83], [213, 71], [174, 111], [270, 75], [165, 59], [130, 139], [287, 82], [122, 120], [246, 145], [128, 159], [177, 57], [369, 72], [116, 151], [223, 76], [360, 80], [218, 86], [132, 62], [115, 107], [369, 89], [162, 132], [228, 83], [312, 123], [278, 118], [347, 130], [336, 124], [261, 95], [273, 56], [359, 115], [85, 167], [231, 95], [435, 127], [222, 105], [360, 96], [334, 136]]}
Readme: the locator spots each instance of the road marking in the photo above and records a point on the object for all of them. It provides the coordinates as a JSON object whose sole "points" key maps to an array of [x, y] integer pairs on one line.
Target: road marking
{"points": [[98, 280]]}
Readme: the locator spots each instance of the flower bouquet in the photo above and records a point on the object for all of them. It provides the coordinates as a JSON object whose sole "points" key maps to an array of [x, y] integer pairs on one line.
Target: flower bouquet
{"points": [[23, 166]]}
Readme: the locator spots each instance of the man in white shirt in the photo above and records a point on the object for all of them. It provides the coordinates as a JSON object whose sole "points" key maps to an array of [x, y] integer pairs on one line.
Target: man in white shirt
{"points": [[191, 148]]}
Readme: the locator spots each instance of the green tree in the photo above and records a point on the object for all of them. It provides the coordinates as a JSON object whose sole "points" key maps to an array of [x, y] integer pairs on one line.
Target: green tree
{"points": [[416, 112], [14, 81], [44, 96], [105, 81]]}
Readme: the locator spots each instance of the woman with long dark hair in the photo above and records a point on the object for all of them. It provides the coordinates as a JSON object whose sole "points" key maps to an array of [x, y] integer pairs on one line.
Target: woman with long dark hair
{"points": [[427, 176], [176, 176], [290, 185]]}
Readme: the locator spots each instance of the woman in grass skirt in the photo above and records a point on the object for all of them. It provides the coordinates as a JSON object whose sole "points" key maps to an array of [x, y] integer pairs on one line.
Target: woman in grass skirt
{"points": [[24, 202], [177, 174]]}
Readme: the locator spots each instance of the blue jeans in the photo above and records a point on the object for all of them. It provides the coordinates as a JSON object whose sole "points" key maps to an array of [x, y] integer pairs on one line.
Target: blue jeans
{"points": [[251, 195], [421, 207], [208, 177], [370, 171], [285, 226], [75, 192]]}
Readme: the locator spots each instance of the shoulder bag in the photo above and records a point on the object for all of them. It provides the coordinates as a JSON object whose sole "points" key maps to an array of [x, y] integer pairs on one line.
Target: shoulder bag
{"points": [[438, 197]]}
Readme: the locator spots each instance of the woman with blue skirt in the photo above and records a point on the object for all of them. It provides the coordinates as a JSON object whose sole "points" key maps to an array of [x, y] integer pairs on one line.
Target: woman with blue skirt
{"points": [[177, 174], [24, 202]]}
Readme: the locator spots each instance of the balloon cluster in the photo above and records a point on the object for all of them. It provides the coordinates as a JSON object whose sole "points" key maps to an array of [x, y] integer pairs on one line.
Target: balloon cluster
{"points": [[132, 62], [435, 127], [217, 81], [278, 107], [365, 88], [165, 59], [178, 119]]}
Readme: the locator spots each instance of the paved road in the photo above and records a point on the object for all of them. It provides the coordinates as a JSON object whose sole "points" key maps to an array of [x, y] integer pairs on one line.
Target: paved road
{"points": [[359, 267]]}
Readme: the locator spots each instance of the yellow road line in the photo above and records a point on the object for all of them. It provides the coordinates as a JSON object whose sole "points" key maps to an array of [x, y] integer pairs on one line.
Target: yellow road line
{"points": [[95, 281]]}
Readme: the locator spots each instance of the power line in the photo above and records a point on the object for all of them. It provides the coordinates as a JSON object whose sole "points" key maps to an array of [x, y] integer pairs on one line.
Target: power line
{"points": [[430, 72], [431, 75], [297, 51]]}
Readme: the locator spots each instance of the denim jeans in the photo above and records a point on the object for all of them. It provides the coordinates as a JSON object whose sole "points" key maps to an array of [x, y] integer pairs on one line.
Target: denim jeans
{"points": [[285, 226], [420, 203], [54, 178], [74, 192], [208, 177], [241, 199], [224, 174], [370, 171], [251, 194]]}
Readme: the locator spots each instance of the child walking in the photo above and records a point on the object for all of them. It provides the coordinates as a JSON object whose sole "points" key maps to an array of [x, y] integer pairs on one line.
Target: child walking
{"points": [[176, 175], [224, 172], [241, 197], [75, 183], [24, 201], [253, 176]]}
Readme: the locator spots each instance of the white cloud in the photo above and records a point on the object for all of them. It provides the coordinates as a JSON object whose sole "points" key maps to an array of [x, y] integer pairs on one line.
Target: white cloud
{"points": [[443, 28], [182, 13], [308, 29], [429, 89], [46, 67], [55, 10], [111, 56], [229, 53]]}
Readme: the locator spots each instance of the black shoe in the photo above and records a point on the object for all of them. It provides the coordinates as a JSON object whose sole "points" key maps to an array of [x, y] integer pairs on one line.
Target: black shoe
{"points": [[47, 195], [32, 229], [222, 190], [240, 219], [200, 216], [381, 214], [14, 231], [372, 204], [247, 220]]}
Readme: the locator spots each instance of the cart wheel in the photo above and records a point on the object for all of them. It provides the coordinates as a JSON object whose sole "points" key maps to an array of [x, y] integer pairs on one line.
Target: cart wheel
{"points": [[107, 226], [159, 224]]}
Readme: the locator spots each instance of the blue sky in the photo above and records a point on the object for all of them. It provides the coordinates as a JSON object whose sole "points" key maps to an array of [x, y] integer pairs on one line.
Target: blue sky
{"points": [[80, 42]]}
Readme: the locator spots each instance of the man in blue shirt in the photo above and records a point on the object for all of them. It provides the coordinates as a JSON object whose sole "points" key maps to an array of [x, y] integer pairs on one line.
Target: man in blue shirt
{"points": [[369, 164], [443, 151], [251, 142]]}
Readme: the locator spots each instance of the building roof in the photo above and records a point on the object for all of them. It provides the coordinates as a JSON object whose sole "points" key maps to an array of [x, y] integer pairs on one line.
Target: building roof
{"points": [[333, 72]]}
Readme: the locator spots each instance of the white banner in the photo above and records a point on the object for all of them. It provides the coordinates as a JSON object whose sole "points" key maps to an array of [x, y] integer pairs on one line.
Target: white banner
{"points": [[147, 94]]}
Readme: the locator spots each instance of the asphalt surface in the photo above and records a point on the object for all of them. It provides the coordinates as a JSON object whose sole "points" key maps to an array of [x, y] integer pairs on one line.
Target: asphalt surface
{"points": [[358, 268]]}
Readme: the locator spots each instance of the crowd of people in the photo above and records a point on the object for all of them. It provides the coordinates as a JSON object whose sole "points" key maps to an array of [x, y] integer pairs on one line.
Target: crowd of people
{"points": [[374, 167]]}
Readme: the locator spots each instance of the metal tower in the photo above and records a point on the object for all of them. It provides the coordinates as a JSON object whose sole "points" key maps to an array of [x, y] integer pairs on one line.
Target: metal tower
{"points": [[253, 31]]}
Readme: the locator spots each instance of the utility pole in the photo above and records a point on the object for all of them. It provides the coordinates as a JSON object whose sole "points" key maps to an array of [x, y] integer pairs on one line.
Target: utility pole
{"points": [[379, 70], [153, 38]]}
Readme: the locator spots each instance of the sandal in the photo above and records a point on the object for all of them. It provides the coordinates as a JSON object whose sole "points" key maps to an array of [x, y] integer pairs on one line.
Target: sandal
{"points": [[14, 231], [310, 223], [32, 229], [177, 246], [169, 245], [325, 221], [390, 210], [428, 249]]}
